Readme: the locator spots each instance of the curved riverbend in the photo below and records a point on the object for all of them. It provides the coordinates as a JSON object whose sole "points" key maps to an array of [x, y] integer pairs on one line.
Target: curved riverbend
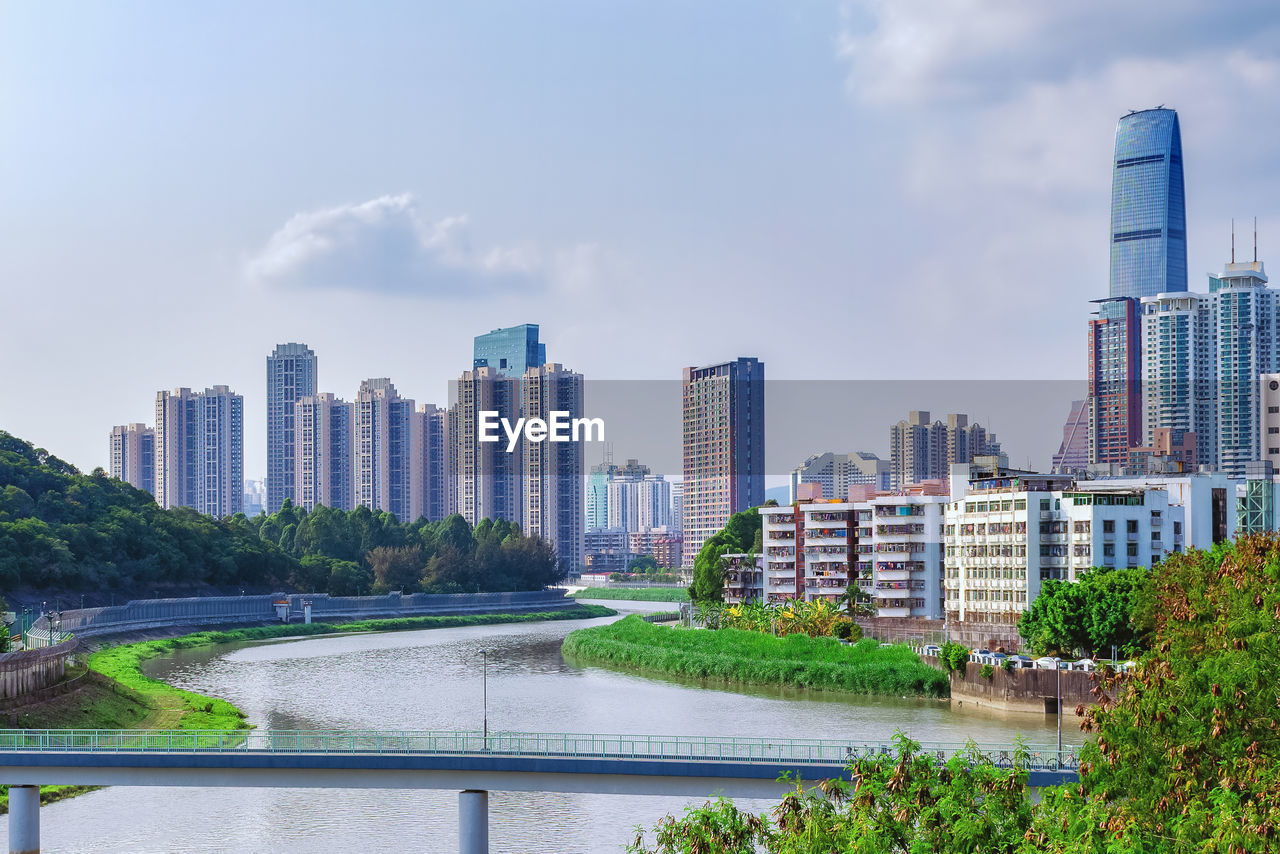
{"points": [[431, 680]]}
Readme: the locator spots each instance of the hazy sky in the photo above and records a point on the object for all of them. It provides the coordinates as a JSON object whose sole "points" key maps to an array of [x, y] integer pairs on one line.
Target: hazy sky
{"points": [[909, 188]]}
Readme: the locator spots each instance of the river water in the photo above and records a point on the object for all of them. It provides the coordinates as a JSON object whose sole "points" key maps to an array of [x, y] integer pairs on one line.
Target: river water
{"points": [[431, 680]]}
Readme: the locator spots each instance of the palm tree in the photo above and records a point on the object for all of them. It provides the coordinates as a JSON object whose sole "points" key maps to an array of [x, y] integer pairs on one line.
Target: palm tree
{"points": [[857, 602]]}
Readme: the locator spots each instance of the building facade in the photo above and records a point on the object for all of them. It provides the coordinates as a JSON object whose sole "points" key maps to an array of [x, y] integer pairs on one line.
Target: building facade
{"points": [[1179, 382], [837, 472], [132, 456], [743, 579], [723, 447], [511, 351], [552, 472], [922, 450], [487, 476], [386, 450], [291, 374], [322, 445], [1148, 206], [1073, 452], [1247, 326], [1115, 422], [199, 441]]}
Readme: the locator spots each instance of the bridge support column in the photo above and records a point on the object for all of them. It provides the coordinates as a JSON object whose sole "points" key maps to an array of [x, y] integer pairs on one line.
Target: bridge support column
{"points": [[24, 820], [473, 821]]}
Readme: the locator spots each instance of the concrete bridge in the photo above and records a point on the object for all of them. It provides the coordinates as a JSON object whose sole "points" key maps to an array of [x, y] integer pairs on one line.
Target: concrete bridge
{"points": [[471, 763]]}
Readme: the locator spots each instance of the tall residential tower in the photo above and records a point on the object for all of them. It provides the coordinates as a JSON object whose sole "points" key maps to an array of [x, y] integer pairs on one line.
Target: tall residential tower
{"points": [[291, 374]]}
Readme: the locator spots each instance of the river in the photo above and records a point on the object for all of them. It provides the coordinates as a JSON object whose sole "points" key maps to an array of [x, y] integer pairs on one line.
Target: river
{"points": [[431, 680]]}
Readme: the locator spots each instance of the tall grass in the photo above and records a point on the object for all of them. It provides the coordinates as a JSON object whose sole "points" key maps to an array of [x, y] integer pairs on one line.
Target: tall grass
{"points": [[638, 594], [752, 658]]}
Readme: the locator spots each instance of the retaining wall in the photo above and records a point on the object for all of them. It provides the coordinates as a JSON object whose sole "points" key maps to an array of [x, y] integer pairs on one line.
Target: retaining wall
{"points": [[228, 610], [1020, 689], [25, 673]]}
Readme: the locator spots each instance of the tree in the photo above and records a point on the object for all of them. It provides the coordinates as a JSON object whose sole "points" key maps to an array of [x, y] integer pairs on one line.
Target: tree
{"points": [[739, 534], [642, 564], [1092, 614], [395, 568]]}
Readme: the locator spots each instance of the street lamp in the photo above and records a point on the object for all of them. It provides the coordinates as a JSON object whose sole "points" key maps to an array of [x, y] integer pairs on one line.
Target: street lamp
{"points": [[1059, 714], [484, 682]]}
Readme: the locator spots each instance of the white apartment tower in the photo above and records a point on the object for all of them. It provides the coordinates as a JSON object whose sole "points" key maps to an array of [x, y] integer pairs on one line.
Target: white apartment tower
{"points": [[552, 472], [199, 441], [386, 450]]}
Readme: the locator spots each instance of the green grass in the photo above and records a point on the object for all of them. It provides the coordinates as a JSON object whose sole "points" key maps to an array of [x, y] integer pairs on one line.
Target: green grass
{"points": [[638, 594], [752, 658]]}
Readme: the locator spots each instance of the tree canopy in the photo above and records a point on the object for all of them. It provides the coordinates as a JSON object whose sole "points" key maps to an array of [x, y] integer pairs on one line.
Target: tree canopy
{"points": [[60, 529], [742, 533], [1092, 614]]}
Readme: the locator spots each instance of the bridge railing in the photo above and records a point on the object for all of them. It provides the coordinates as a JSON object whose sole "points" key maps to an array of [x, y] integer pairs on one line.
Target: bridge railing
{"points": [[653, 747]]}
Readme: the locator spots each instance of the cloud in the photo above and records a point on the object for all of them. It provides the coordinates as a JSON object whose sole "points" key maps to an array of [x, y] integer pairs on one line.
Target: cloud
{"points": [[386, 245]]}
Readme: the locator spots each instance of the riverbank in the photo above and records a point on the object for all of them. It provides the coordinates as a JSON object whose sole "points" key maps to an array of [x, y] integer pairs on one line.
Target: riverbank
{"points": [[634, 594], [752, 658], [116, 694]]}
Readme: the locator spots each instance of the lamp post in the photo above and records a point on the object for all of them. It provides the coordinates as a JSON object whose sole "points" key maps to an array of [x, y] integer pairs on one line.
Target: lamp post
{"points": [[484, 684], [1059, 714]]}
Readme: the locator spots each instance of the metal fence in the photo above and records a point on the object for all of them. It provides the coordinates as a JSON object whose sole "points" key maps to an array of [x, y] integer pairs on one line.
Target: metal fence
{"points": [[663, 747]]}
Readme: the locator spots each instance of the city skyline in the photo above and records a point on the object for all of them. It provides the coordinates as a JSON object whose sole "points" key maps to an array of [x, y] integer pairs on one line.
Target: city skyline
{"points": [[451, 218]]}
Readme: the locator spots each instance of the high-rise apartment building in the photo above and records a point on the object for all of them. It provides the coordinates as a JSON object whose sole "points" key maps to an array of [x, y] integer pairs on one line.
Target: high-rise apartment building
{"points": [[1115, 402], [487, 476], [723, 447], [322, 452], [921, 450], [438, 487], [291, 374], [199, 441], [387, 450], [511, 351], [677, 508], [1073, 453], [636, 499], [1148, 207], [1178, 382], [1248, 342], [837, 472], [1269, 419], [552, 471], [133, 456]]}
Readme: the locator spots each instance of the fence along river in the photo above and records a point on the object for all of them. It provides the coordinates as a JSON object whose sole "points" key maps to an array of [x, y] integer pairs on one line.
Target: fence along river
{"points": [[431, 680]]}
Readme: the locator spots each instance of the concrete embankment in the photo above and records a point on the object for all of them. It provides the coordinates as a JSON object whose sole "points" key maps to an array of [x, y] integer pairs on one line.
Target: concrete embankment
{"points": [[1020, 689]]}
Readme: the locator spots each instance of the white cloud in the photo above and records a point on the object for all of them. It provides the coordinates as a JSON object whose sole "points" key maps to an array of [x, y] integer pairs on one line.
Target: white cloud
{"points": [[386, 245]]}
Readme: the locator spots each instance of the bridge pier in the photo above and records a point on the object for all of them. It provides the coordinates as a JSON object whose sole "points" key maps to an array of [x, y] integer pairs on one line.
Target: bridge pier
{"points": [[24, 820], [473, 821]]}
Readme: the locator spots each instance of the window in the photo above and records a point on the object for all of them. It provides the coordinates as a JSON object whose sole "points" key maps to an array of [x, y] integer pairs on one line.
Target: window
{"points": [[1273, 410], [1131, 526], [1108, 526], [1108, 550], [1044, 504], [1133, 550]]}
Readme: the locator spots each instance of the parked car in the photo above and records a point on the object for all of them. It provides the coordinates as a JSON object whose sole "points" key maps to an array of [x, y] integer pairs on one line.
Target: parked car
{"points": [[1083, 664], [997, 657], [1022, 661], [1048, 662], [931, 649]]}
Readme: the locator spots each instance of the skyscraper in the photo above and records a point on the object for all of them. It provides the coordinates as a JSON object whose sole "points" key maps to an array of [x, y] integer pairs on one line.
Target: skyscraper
{"points": [[837, 472], [1073, 453], [552, 471], [387, 450], [437, 488], [323, 453], [291, 374], [723, 446], [1247, 323], [921, 450], [199, 440], [1115, 402], [510, 351], [1179, 383], [487, 476], [1148, 206], [133, 456]]}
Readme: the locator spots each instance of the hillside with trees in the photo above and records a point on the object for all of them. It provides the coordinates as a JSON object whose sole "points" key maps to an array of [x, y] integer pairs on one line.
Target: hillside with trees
{"points": [[61, 530]]}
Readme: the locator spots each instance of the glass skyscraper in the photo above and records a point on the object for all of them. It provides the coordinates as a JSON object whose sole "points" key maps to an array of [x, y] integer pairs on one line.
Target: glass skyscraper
{"points": [[510, 351], [1148, 207]]}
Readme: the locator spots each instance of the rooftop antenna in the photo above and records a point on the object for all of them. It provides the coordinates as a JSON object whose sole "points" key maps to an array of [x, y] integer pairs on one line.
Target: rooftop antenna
{"points": [[1233, 240], [1255, 240]]}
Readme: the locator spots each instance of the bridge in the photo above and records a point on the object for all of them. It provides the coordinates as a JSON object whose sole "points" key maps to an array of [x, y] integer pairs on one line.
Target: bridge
{"points": [[471, 763]]}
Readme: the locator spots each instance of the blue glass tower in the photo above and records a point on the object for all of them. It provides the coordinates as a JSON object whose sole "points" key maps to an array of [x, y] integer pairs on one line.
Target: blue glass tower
{"points": [[510, 351], [1148, 206]]}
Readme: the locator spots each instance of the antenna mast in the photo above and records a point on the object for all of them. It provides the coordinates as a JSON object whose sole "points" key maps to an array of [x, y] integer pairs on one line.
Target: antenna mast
{"points": [[1233, 240], [1255, 240]]}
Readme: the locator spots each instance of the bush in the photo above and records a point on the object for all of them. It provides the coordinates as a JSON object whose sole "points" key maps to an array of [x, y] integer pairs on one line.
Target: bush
{"points": [[988, 671], [1007, 664], [954, 655], [847, 630]]}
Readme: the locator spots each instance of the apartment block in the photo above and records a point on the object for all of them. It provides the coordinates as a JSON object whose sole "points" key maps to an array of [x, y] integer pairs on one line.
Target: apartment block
{"points": [[386, 450], [906, 554], [487, 477], [837, 472], [923, 450], [743, 579], [199, 440], [291, 375], [1006, 536], [322, 452], [132, 456], [723, 447], [605, 550], [552, 472], [1115, 382]]}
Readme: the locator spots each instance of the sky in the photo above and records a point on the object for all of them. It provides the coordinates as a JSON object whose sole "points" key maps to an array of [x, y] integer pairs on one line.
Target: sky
{"points": [[860, 190]]}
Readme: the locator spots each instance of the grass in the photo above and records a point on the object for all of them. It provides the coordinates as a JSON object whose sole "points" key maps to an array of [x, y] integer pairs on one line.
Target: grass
{"points": [[638, 594], [751, 658]]}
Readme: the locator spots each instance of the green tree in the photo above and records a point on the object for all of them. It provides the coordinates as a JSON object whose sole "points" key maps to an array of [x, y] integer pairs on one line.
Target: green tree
{"points": [[1091, 615], [642, 565], [739, 535]]}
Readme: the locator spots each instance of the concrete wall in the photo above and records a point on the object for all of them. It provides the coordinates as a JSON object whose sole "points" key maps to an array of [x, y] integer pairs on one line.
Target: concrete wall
{"points": [[1021, 689], [24, 673], [226, 610]]}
